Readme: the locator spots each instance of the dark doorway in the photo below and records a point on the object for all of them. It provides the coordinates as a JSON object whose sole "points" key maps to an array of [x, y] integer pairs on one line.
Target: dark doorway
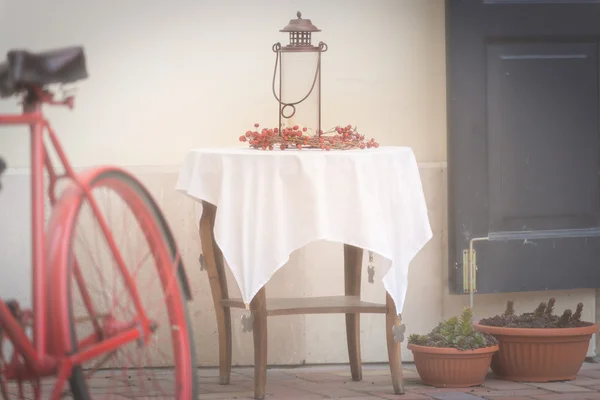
{"points": [[524, 142]]}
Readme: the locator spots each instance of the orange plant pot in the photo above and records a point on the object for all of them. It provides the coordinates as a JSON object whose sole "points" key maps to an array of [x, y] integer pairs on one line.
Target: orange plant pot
{"points": [[452, 368], [539, 355]]}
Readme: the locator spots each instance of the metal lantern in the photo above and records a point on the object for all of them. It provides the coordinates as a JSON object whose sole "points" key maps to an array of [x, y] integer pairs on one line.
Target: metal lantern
{"points": [[299, 65]]}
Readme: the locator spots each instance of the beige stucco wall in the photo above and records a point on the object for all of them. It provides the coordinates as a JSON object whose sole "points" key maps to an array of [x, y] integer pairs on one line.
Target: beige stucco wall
{"points": [[169, 76]]}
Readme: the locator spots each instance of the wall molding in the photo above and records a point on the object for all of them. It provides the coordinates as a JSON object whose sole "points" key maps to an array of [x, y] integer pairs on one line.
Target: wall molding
{"points": [[170, 169]]}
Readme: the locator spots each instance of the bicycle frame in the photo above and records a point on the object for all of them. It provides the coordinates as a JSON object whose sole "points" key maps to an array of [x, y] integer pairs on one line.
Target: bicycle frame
{"points": [[42, 358]]}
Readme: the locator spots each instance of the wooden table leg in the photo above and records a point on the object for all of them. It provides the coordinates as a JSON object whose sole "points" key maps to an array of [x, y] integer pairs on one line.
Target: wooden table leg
{"points": [[394, 348], [213, 259], [352, 270], [259, 331]]}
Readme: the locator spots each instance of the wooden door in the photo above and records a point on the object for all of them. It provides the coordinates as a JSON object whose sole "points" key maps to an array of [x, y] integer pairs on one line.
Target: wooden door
{"points": [[524, 143]]}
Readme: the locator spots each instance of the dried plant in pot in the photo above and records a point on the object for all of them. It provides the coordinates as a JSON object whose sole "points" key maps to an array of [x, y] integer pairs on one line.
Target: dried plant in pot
{"points": [[453, 354], [539, 346]]}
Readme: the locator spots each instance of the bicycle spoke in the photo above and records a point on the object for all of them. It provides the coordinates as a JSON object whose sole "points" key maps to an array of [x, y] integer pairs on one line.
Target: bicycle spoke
{"points": [[130, 255], [99, 364]]}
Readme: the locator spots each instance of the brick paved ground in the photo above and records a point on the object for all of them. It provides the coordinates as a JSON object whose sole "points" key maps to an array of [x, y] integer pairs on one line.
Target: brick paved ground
{"points": [[333, 382]]}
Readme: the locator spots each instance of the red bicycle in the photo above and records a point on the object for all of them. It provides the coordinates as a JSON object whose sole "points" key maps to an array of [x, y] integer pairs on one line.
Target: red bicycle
{"points": [[96, 321]]}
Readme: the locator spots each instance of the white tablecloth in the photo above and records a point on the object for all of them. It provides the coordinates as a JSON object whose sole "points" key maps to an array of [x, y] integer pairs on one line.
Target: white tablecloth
{"points": [[270, 203]]}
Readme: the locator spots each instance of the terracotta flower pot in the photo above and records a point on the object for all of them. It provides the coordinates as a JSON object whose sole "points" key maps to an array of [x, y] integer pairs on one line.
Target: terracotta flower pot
{"points": [[539, 355], [452, 368]]}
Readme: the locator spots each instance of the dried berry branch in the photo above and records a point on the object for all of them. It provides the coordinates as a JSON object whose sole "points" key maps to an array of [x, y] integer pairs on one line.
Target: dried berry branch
{"points": [[338, 138]]}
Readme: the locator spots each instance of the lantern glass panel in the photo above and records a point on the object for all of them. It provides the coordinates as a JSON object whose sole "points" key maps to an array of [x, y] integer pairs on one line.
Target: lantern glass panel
{"points": [[298, 72]]}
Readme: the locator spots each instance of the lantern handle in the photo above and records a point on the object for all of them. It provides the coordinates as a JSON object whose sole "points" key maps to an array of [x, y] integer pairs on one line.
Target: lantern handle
{"points": [[277, 49]]}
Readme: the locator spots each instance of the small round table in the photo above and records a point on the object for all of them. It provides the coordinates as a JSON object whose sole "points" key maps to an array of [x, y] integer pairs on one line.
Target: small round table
{"points": [[367, 199]]}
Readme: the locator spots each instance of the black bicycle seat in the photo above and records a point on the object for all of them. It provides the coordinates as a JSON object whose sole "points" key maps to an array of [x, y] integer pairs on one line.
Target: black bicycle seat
{"points": [[24, 69]]}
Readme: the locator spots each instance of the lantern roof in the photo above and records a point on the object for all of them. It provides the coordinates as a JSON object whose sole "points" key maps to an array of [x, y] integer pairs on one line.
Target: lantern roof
{"points": [[300, 25]]}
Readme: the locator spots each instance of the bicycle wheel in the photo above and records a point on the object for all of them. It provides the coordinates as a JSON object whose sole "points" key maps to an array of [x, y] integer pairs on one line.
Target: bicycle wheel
{"points": [[101, 301]]}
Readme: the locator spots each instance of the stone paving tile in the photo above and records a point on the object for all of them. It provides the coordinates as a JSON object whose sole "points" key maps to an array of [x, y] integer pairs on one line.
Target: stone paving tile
{"points": [[514, 398], [590, 373], [498, 384], [406, 396], [364, 398], [590, 366], [527, 393], [322, 377], [365, 373], [585, 381], [334, 382], [374, 389], [560, 387], [139, 398], [380, 380], [331, 391], [410, 374], [337, 368], [455, 396], [232, 387], [230, 395], [428, 390], [272, 375], [286, 392], [568, 396]]}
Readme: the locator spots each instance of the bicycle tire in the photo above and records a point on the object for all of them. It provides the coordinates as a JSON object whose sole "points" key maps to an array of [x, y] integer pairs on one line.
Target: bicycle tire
{"points": [[77, 381]]}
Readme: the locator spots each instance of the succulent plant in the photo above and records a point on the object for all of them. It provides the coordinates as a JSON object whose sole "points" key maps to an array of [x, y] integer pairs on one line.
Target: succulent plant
{"points": [[455, 333], [510, 309], [542, 317], [578, 311]]}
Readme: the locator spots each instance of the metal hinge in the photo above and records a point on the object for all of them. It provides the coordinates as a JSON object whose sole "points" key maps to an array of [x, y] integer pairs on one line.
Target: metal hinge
{"points": [[467, 265], [202, 262]]}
